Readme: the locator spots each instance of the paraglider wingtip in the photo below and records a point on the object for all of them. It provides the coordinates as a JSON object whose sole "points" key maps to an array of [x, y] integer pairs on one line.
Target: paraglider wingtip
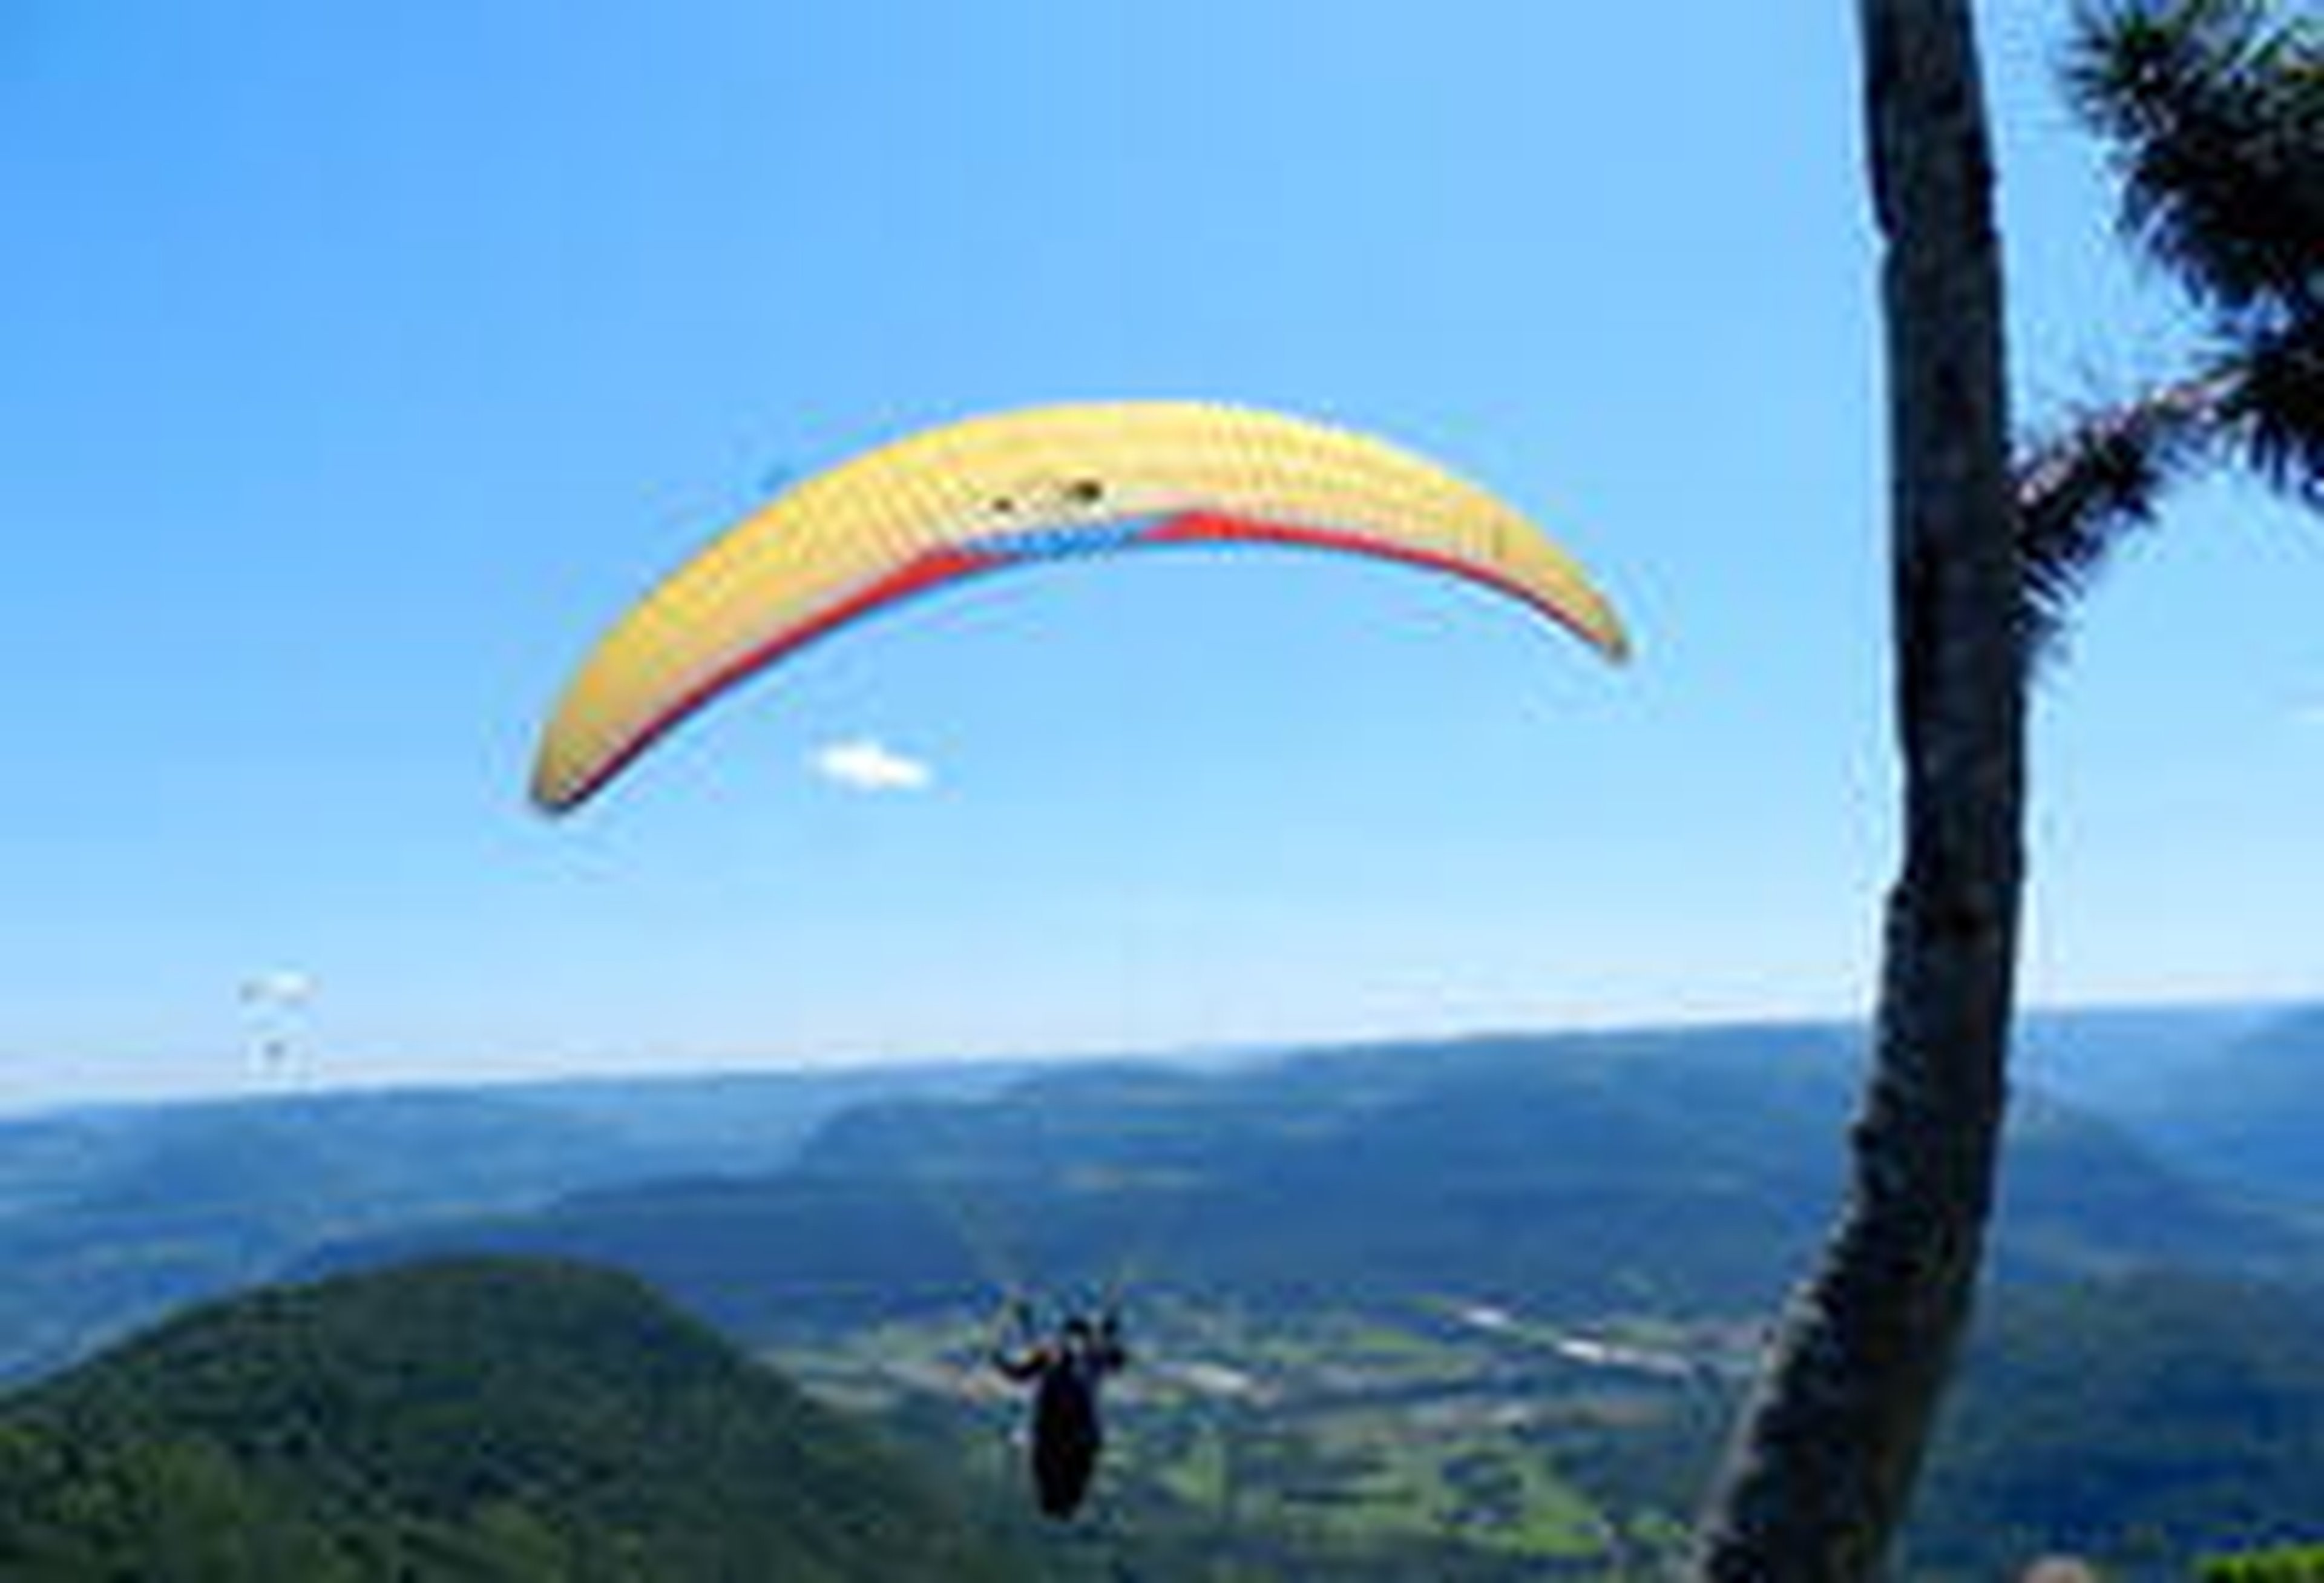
{"points": [[1602, 629], [548, 799], [1599, 628]]}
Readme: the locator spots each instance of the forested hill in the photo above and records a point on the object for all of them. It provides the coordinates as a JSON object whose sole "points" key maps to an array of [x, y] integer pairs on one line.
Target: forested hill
{"points": [[2138, 1420], [481, 1419]]}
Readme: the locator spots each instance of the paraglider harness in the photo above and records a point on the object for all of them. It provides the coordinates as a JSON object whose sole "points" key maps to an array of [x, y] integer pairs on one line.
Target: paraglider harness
{"points": [[1065, 1368]]}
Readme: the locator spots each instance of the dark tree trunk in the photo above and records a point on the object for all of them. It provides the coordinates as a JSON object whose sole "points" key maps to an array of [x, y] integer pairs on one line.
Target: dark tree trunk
{"points": [[1822, 1468]]}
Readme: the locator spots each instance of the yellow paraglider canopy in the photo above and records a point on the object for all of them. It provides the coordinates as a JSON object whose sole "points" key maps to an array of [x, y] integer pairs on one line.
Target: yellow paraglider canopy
{"points": [[1018, 487]]}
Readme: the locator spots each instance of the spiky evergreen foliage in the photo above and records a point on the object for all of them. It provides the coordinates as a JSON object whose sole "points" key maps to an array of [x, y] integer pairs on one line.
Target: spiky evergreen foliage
{"points": [[2213, 114]]}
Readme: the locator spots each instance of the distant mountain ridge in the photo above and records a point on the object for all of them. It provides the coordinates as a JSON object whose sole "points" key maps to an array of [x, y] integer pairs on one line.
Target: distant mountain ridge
{"points": [[1677, 1171], [112, 1215]]}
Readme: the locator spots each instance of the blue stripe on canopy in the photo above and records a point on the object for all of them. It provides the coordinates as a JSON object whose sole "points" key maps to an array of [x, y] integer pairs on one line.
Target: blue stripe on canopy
{"points": [[1067, 540]]}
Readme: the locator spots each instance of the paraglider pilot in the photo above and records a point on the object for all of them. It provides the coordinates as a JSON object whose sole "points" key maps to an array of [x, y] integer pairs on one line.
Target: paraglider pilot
{"points": [[1064, 1369]]}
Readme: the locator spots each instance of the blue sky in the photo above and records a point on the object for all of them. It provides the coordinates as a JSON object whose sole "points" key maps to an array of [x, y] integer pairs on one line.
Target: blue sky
{"points": [[360, 362]]}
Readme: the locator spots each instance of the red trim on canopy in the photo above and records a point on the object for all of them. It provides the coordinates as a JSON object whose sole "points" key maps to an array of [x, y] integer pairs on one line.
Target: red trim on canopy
{"points": [[1203, 527]]}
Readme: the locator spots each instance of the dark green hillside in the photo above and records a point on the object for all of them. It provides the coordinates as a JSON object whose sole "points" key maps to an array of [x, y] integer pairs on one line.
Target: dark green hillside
{"points": [[474, 1419], [2140, 1422], [1674, 1172]]}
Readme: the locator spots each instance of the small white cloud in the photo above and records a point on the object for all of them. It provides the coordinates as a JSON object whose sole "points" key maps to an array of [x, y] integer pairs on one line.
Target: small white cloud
{"points": [[863, 765], [282, 987]]}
